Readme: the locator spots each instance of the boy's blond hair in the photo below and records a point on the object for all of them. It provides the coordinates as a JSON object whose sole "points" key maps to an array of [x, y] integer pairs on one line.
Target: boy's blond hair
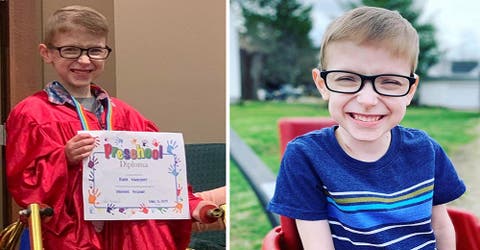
{"points": [[385, 28], [73, 17]]}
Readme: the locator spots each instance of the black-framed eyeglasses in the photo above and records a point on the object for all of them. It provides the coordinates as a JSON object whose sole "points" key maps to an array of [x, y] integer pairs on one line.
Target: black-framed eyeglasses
{"points": [[73, 52], [347, 82]]}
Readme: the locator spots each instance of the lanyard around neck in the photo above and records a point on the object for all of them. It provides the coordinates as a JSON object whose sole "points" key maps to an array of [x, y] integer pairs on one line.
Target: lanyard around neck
{"points": [[83, 117]]}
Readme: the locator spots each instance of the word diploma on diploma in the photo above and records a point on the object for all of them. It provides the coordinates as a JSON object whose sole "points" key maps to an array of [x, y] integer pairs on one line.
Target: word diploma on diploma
{"points": [[135, 176]]}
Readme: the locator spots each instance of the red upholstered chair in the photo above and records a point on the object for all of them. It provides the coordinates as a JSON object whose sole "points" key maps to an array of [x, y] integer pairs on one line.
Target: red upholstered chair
{"points": [[467, 229], [285, 236], [291, 127]]}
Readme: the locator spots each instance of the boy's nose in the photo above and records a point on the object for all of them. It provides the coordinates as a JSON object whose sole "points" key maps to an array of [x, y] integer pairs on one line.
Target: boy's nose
{"points": [[367, 96], [84, 58]]}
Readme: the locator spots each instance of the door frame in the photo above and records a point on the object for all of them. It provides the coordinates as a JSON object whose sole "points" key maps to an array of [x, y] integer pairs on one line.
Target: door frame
{"points": [[4, 199]]}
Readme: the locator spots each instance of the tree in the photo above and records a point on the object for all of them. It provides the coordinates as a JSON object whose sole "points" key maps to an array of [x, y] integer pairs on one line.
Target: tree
{"points": [[277, 32], [429, 51]]}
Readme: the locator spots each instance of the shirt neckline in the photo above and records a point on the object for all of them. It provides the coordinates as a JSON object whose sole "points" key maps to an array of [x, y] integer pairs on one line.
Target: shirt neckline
{"points": [[335, 150]]}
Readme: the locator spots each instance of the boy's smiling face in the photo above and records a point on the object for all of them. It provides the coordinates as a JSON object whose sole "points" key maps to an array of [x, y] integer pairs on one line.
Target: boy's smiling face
{"points": [[76, 75], [366, 115]]}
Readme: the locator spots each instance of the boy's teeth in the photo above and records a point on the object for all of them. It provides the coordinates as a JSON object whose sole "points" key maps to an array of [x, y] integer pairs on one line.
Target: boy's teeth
{"points": [[365, 118]]}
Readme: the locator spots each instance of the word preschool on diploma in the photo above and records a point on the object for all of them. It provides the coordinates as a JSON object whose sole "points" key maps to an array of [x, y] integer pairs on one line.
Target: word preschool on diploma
{"points": [[138, 152]]}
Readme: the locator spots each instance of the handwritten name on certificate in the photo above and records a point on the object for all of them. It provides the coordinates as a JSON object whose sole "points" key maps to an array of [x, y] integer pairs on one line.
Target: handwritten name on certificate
{"points": [[135, 176]]}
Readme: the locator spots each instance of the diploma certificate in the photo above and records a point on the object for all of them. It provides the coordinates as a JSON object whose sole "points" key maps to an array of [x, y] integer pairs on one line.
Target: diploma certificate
{"points": [[135, 176]]}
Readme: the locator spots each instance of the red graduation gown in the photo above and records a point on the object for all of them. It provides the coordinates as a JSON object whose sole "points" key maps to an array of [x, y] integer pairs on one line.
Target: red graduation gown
{"points": [[37, 171]]}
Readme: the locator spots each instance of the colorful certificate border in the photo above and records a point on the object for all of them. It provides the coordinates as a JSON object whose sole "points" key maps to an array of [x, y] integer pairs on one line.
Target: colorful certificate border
{"points": [[124, 147]]}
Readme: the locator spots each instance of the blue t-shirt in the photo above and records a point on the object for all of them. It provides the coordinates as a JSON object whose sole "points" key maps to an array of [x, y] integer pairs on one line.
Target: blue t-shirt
{"points": [[384, 204]]}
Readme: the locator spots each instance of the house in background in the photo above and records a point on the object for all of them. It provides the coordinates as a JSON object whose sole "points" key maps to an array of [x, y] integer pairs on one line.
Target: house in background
{"points": [[234, 69], [452, 84]]}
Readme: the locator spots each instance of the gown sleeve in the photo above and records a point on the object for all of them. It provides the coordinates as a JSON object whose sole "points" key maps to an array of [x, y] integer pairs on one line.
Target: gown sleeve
{"points": [[36, 166]]}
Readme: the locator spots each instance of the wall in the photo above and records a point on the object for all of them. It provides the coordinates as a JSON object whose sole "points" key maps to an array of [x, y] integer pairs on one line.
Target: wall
{"points": [[171, 64], [450, 93]]}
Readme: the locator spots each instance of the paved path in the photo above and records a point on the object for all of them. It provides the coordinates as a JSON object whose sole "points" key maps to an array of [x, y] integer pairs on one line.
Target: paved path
{"points": [[466, 160]]}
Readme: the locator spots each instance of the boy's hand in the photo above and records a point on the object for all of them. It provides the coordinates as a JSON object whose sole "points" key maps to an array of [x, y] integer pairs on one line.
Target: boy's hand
{"points": [[79, 147]]}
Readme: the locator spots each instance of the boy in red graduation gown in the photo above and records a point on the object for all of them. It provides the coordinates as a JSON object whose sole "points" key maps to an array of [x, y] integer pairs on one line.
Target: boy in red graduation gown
{"points": [[45, 153]]}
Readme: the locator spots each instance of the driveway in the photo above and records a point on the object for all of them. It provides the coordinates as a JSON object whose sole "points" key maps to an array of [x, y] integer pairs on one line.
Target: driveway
{"points": [[466, 160]]}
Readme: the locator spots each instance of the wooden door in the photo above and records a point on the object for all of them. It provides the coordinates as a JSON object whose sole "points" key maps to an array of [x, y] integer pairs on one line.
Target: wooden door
{"points": [[20, 72]]}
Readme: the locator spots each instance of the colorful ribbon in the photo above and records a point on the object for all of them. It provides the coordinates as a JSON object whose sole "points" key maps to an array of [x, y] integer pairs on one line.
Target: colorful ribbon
{"points": [[83, 117]]}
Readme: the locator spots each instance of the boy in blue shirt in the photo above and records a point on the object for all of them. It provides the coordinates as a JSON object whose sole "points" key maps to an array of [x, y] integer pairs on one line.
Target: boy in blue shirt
{"points": [[368, 183]]}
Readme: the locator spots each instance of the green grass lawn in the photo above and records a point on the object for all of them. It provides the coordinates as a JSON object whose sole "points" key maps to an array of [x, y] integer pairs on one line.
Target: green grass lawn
{"points": [[248, 222], [256, 124]]}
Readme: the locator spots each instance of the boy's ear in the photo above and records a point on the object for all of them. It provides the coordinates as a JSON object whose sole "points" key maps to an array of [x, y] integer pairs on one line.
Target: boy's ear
{"points": [[45, 53], [320, 83], [413, 89]]}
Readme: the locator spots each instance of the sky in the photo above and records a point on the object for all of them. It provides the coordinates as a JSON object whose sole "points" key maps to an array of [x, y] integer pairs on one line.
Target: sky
{"points": [[458, 24]]}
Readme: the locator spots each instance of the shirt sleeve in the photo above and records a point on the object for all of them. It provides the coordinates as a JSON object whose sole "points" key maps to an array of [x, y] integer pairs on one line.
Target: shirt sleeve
{"points": [[448, 186], [299, 190]]}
